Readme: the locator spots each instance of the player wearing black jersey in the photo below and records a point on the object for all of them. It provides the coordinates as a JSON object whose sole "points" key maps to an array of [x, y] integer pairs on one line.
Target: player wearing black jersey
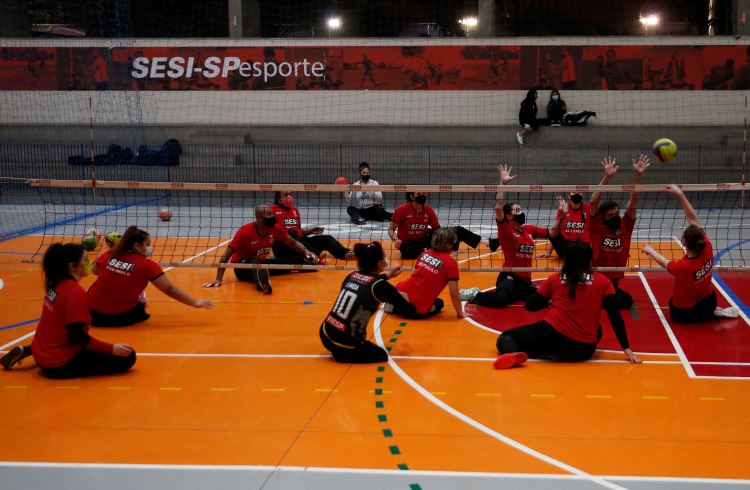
{"points": [[344, 330]]}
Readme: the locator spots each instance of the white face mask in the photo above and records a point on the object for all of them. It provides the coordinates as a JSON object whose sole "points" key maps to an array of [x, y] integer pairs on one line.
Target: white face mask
{"points": [[149, 250]]}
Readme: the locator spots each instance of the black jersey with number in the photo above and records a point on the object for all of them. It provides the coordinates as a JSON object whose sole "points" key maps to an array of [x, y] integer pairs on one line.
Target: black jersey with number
{"points": [[361, 294]]}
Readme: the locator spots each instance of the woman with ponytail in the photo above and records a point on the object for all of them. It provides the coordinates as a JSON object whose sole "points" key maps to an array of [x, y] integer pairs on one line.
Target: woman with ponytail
{"points": [[693, 297], [570, 331], [117, 299], [62, 346]]}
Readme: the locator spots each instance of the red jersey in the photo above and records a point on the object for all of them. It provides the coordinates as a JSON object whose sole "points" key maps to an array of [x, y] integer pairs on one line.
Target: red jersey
{"points": [[611, 248], [120, 281], [64, 305], [413, 225], [576, 224], [577, 319], [692, 277], [432, 271], [518, 247], [288, 218], [248, 245]]}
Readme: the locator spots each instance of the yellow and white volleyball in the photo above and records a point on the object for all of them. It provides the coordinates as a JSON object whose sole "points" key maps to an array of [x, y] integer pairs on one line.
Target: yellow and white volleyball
{"points": [[665, 149], [112, 238], [165, 214]]}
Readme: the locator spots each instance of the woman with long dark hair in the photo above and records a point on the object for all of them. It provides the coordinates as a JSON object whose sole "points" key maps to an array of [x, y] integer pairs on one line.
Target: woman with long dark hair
{"points": [[570, 331], [62, 346], [115, 299]]}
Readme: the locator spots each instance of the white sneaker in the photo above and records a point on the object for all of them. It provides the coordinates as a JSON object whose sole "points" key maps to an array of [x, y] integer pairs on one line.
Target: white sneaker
{"points": [[388, 307], [519, 138], [142, 298], [731, 312], [468, 294]]}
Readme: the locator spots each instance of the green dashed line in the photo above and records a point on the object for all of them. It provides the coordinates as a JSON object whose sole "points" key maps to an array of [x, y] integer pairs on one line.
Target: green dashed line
{"points": [[402, 324], [378, 391], [387, 433], [392, 339], [382, 418], [397, 332], [378, 379], [394, 450], [414, 486], [388, 348], [381, 369], [403, 467], [378, 404]]}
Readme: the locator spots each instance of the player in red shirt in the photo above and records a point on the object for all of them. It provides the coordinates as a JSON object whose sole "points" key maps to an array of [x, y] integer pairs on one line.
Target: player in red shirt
{"points": [[62, 346], [434, 269], [312, 238], [693, 297], [517, 241], [570, 331], [412, 225], [115, 299], [252, 244], [610, 233]]}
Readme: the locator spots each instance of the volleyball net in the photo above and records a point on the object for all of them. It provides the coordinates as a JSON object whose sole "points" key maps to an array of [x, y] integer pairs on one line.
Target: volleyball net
{"points": [[203, 217]]}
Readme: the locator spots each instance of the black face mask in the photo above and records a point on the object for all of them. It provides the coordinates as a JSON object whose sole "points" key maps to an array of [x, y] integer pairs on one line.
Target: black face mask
{"points": [[520, 218], [613, 224], [364, 178], [270, 222], [420, 199], [576, 198]]}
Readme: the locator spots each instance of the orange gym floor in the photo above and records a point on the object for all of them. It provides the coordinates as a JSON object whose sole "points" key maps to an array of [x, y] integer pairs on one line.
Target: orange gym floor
{"points": [[249, 384]]}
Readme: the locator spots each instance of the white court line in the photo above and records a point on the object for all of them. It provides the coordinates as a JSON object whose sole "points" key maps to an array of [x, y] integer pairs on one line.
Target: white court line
{"points": [[477, 425], [667, 328], [19, 339], [362, 471]]}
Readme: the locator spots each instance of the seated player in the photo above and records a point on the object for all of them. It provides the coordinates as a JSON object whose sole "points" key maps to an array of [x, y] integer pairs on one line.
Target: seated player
{"points": [[610, 233], [312, 238], [570, 331], [252, 245], [434, 270], [517, 241], [344, 330], [574, 222], [366, 204], [116, 298], [694, 296], [412, 225], [62, 346]]}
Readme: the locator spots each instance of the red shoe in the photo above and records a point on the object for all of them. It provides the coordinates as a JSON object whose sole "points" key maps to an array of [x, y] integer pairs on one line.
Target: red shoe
{"points": [[507, 361]]}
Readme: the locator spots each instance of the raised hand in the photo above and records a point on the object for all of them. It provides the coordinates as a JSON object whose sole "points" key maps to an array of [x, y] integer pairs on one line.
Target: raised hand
{"points": [[610, 167], [674, 189], [641, 165], [505, 175], [562, 204]]}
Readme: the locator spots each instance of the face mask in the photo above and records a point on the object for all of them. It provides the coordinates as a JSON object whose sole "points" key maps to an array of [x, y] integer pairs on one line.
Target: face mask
{"points": [[287, 202], [420, 199], [364, 178], [520, 218], [613, 223], [270, 222], [576, 198], [149, 250], [555, 97]]}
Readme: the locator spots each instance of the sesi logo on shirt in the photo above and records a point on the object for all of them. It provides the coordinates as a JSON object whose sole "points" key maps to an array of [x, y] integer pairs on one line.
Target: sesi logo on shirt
{"points": [[120, 266], [612, 243], [575, 225], [290, 222], [703, 271]]}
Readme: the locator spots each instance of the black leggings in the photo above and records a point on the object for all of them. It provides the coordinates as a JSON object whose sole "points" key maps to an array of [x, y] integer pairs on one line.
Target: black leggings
{"points": [[364, 353], [412, 314], [508, 288], [411, 249], [91, 363], [541, 340], [251, 275], [624, 299], [701, 311], [132, 316], [314, 243], [373, 213]]}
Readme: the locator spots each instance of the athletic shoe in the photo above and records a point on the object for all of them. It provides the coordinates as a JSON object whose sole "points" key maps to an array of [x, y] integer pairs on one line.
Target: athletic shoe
{"points": [[468, 294], [359, 221], [494, 244], [519, 138], [507, 361], [15, 356], [263, 281], [731, 312]]}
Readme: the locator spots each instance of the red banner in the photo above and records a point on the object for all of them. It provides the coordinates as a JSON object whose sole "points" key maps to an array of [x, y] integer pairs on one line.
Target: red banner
{"points": [[378, 68]]}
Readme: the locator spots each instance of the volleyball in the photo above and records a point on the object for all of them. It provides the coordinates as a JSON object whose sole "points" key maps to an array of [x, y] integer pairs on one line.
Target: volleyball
{"points": [[112, 238], [165, 214], [665, 149], [342, 180], [89, 242], [92, 232]]}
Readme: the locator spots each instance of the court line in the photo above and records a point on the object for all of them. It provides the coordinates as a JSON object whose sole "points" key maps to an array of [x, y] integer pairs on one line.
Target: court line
{"points": [[479, 426], [19, 324], [667, 327], [19, 339]]}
